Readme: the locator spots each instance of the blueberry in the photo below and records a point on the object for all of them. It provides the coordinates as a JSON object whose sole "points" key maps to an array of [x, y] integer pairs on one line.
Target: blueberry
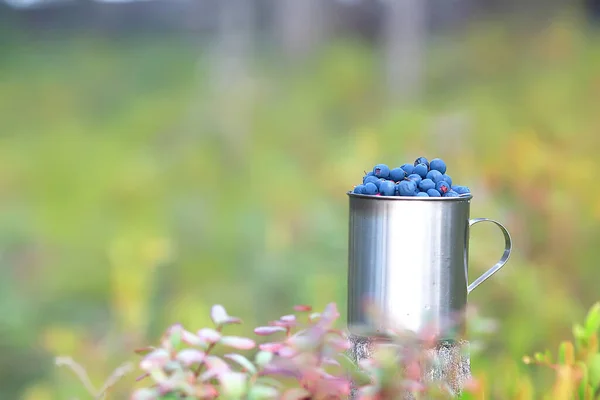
{"points": [[448, 179], [408, 168], [461, 189], [421, 170], [381, 171], [433, 193], [415, 178], [397, 174], [370, 173], [426, 184], [407, 188], [421, 160], [435, 176], [360, 189], [387, 188], [378, 183], [451, 193], [370, 188], [442, 187], [422, 194], [370, 178], [437, 164]]}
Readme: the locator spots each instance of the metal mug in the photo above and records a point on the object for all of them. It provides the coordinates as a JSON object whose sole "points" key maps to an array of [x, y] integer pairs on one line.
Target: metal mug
{"points": [[408, 256]]}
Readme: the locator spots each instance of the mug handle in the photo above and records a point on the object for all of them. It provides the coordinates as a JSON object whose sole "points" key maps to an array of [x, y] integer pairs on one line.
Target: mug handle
{"points": [[503, 259]]}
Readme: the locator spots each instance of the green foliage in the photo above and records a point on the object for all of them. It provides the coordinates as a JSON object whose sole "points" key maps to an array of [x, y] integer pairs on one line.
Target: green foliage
{"points": [[577, 366], [130, 197]]}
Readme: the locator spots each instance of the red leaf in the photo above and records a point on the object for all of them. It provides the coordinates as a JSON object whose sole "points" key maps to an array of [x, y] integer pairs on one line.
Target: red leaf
{"points": [[302, 308]]}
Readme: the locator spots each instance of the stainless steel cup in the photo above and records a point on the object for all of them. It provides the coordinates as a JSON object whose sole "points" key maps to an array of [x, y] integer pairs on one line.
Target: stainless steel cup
{"points": [[408, 257]]}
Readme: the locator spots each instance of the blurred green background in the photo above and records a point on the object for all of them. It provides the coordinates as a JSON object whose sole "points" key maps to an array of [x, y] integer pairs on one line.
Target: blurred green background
{"points": [[137, 189]]}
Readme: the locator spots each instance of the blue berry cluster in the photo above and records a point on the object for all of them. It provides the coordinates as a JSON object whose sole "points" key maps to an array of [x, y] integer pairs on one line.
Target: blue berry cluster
{"points": [[421, 179]]}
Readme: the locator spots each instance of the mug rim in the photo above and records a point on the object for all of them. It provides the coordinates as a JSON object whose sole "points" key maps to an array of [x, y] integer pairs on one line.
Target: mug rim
{"points": [[408, 198]]}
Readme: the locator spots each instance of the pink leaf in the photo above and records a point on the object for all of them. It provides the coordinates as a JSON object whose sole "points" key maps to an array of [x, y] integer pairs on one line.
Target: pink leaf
{"points": [[302, 308], [238, 342], [268, 330], [282, 324], [190, 356], [216, 365], [287, 352], [270, 347], [220, 317], [157, 359], [210, 335], [288, 318], [192, 339], [340, 344]]}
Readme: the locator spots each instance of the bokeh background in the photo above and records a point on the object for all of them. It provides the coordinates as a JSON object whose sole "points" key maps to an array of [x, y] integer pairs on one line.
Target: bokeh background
{"points": [[158, 157]]}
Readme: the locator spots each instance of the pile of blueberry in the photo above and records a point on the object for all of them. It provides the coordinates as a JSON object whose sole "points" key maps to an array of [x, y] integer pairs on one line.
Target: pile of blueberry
{"points": [[420, 179]]}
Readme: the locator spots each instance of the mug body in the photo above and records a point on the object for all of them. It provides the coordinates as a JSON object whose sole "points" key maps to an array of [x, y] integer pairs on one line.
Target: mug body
{"points": [[407, 260]]}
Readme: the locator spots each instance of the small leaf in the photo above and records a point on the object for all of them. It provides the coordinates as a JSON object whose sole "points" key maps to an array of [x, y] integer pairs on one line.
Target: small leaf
{"points": [[262, 358], [592, 321], [242, 361], [268, 330], [302, 308], [368, 392], [157, 359], [192, 339], [270, 347], [594, 371], [287, 352], [215, 364], [144, 350], [238, 342], [158, 375], [175, 338], [540, 357], [583, 383], [219, 316], [259, 392], [145, 394], [340, 344], [270, 381], [346, 362], [295, 394], [330, 361], [190, 356], [233, 384], [314, 316], [205, 391], [579, 333], [209, 335], [566, 353]]}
